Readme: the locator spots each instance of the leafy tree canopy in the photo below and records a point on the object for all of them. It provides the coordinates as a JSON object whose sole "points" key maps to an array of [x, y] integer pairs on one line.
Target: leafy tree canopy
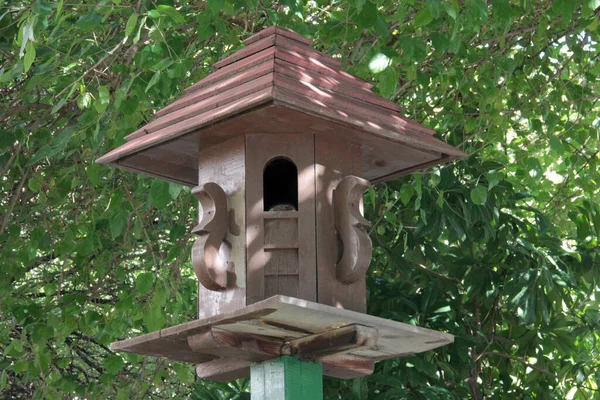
{"points": [[500, 249]]}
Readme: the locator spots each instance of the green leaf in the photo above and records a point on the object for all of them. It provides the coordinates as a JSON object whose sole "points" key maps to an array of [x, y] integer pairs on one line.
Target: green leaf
{"points": [[89, 22], [160, 195], [117, 223], [407, 191], [103, 100], [144, 283], [58, 145], [174, 190], [379, 62], [423, 17], [450, 9], [154, 14], [388, 82], [215, 5], [41, 333], [29, 56], [84, 100], [171, 12], [390, 217], [113, 364], [479, 9], [564, 9], [131, 23], [154, 318], [153, 80], [358, 4], [367, 17], [479, 195]]}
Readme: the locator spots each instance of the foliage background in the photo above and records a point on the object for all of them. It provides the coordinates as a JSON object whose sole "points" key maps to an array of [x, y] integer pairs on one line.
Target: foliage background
{"points": [[500, 249]]}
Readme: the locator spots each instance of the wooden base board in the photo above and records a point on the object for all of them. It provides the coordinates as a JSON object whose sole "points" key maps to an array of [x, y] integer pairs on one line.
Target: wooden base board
{"points": [[224, 347]]}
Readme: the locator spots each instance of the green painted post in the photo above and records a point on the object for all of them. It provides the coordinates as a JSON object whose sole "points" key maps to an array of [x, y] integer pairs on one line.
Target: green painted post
{"points": [[286, 379]]}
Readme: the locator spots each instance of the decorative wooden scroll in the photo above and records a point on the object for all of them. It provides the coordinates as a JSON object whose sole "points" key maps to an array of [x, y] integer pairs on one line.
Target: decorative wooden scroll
{"points": [[350, 225], [210, 254]]}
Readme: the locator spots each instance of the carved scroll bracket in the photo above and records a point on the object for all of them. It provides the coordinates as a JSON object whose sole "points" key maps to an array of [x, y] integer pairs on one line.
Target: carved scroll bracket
{"points": [[351, 228], [210, 254]]}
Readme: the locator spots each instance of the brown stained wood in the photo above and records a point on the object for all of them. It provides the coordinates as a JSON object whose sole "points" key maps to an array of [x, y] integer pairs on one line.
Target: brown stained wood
{"points": [[159, 168], [330, 111], [233, 69], [306, 52], [285, 319], [372, 114], [247, 51], [211, 252], [206, 105], [277, 30], [347, 366], [188, 126], [351, 228], [307, 81], [298, 49], [333, 83], [290, 57], [335, 341], [237, 80], [225, 165], [380, 157], [281, 233], [334, 160], [260, 149], [224, 370]]}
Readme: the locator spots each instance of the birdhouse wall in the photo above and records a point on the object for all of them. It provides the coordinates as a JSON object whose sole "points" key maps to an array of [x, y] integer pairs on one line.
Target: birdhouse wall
{"points": [[291, 251], [280, 244], [225, 165], [334, 160]]}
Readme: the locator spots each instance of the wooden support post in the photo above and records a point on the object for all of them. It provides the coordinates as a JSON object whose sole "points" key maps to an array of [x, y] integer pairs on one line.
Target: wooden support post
{"points": [[286, 378]]}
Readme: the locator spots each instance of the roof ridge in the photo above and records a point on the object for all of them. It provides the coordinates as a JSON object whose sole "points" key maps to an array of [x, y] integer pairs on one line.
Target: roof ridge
{"points": [[277, 30]]}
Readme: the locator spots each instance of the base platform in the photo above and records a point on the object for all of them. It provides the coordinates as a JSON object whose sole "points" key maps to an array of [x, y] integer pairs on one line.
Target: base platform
{"points": [[224, 347]]}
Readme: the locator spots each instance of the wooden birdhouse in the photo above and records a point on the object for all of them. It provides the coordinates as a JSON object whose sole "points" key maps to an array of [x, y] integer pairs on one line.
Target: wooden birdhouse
{"points": [[279, 144]]}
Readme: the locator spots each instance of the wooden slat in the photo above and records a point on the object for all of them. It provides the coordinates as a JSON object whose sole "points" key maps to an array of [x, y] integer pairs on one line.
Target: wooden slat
{"points": [[219, 100], [163, 169], [234, 69], [299, 50], [277, 30], [259, 150], [333, 83], [250, 74], [331, 111], [299, 318], [247, 51], [303, 51], [289, 56], [334, 160], [370, 112], [225, 165], [173, 131]]}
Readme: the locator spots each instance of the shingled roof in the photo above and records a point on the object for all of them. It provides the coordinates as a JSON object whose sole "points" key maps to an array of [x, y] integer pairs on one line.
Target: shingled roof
{"points": [[279, 84]]}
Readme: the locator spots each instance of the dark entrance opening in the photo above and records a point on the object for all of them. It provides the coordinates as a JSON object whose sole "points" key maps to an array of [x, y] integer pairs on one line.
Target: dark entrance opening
{"points": [[280, 185]]}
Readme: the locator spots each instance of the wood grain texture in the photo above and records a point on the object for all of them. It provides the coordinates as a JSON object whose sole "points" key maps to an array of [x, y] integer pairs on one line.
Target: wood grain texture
{"points": [[334, 82], [255, 331], [245, 76], [351, 228], [224, 164], [272, 30], [233, 69], [264, 251], [335, 159], [211, 251], [278, 70]]}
